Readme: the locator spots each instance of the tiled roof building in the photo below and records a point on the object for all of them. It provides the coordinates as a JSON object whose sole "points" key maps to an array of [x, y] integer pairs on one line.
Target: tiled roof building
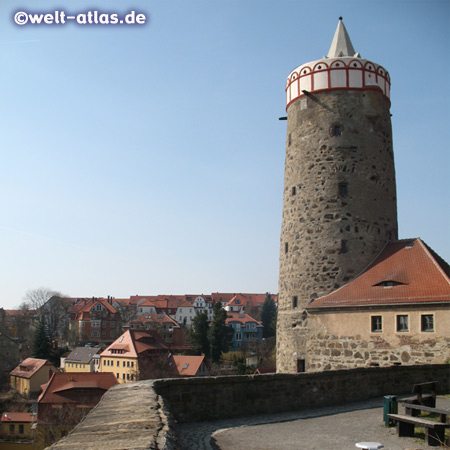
{"points": [[66, 399], [397, 311], [30, 374]]}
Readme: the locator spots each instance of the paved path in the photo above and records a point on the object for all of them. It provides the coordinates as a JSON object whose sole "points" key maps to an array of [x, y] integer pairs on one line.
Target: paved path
{"points": [[334, 428]]}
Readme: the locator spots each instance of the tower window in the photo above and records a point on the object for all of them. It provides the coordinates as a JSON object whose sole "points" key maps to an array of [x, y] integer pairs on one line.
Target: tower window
{"points": [[294, 190], [344, 248], [343, 189], [301, 366], [289, 139], [294, 302], [337, 130], [286, 247]]}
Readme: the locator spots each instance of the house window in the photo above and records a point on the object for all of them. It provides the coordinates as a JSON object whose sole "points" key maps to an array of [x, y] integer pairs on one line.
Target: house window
{"points": [[118, 364], [95, 324], [402, 323], [238, 336], [377, 324], [21, 429], [12, 428], [427, 322], [238, 327], [294, 302], [103, 333]]}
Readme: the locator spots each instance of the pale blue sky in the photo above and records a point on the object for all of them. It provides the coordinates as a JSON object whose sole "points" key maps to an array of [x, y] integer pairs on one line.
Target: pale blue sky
{"points": [[149, 160]]}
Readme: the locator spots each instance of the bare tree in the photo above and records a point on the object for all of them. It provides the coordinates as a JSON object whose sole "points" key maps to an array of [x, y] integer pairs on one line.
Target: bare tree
{"points": [[50, 305], [37, 298]]}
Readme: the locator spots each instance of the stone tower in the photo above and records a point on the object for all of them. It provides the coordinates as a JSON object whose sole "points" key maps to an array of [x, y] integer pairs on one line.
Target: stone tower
{"points": [[339, 201]]}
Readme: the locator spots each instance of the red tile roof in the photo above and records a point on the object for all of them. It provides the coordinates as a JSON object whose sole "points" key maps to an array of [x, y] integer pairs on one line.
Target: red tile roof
{"points": [[187, 366], [241, 318], [132, 342], [62, 382], [406, 271], [28, 367], [16, 417], [155, 318]]}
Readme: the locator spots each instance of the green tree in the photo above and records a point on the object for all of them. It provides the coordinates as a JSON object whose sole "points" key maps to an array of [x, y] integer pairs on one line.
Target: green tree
{"points": [[199, 334], [42, 346], [269, 317], [220, 334]]}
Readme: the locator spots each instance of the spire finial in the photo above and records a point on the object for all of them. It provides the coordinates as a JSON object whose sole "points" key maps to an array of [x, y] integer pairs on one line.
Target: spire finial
{"points": [[341, 45]]}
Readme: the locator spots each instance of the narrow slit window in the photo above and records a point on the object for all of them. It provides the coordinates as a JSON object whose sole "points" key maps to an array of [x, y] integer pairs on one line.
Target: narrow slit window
{"points": [[286, 247], [344, 247], [337, 131], [295, 302], [343, 189]]}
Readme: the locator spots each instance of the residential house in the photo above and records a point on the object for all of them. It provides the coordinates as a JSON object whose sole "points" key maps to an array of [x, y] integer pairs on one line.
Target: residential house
{"points": [[17, 426], [65, 401], [246, 329], [135, 355], [250, 304], [82, 359], [166, 327], [203, 304], [96, 320], [30, 374], [396, 312]]}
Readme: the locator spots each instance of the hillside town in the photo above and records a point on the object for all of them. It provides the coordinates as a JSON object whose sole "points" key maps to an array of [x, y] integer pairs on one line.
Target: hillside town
{"points": [[61, 354]]}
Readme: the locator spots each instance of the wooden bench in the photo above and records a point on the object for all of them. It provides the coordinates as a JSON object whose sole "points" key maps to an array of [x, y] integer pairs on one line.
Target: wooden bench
{"points": [[425, 394], [434, 431], [411, 410]]}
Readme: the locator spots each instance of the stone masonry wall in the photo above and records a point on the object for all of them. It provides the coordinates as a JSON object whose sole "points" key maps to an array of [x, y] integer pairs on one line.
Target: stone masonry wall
{"points": [[142, 415], [339, 205], [211, 398], [329, 352]]}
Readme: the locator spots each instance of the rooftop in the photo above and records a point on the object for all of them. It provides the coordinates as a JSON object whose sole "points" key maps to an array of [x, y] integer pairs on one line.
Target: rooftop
{"points": [[406, 271]]}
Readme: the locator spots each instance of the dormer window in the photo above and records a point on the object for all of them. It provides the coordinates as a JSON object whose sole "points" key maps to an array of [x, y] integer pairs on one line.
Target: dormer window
{"points": [[389, 283]]}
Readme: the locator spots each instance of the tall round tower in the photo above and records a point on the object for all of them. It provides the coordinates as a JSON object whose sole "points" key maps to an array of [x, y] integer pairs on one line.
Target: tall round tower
{"points": [[339, 203]]}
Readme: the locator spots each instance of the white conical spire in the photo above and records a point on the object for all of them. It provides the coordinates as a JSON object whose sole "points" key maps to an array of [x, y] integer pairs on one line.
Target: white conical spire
{"points": [[341, 45]]}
